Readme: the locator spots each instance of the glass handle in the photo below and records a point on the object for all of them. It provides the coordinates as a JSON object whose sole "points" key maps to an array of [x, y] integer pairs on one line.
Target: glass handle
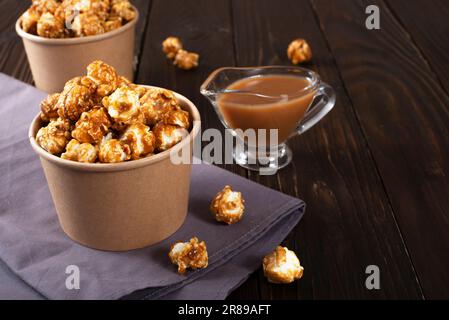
{"points": [[322, 103]]}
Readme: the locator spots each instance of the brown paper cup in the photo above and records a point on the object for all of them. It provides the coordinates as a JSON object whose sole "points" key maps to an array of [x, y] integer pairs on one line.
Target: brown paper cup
{"points": [[120, 206], [55, 61]]}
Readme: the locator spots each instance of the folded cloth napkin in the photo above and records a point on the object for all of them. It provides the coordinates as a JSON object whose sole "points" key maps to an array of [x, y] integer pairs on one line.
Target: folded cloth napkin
{"points": [[34, 248]]}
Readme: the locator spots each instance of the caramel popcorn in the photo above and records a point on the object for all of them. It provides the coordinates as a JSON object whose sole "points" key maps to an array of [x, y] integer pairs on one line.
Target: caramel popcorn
{"points": [[76, 18], [299, 51], [104, 76], [124, 106], [108, 119], [228, 206], [46, 5], [87, 24], [81, 152], [123, 9], [186, 60], [92, 126], [176, 117], [48, 107], [76, 98], [50, 26], [192, 254], [113, 150], [29, 20], [156, 102], [171, 46], [282, 266], [140, 139], [54, 136], [113, 23], [167, 135]]}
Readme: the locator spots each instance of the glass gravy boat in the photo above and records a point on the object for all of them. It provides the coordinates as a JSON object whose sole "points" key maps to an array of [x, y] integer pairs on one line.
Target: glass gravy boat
{"points": [[283, 115]]}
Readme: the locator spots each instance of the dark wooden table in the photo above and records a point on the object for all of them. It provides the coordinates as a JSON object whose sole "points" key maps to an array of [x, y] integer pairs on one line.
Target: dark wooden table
{"points": [[374, 173]]}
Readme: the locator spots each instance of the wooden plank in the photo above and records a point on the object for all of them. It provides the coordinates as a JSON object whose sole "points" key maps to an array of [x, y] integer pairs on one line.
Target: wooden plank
{"points": [[348, 223], [204, 27], [404, 115], [13, 60], [426, 24]]}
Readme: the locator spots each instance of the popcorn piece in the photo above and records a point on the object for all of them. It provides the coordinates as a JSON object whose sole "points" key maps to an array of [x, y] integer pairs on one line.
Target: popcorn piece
{"points": [[282, 266], [186, 60], [49, 26], [171, 46], [81, 152], [92, 126], [49, 111], [113, 150], [54, 136], [123, 106], [123, 81], [167, 135], [299, 51], [192, 254], [156, 102], [177, 117], [87, 24], [112, 23], [141, 140], [123, 9], [228, 206], [29, 19], [76, 98], [104, 76], [46, 6], [97, 7]]}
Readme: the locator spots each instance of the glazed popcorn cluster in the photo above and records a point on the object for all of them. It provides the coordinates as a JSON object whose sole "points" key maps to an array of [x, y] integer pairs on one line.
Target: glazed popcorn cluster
{"points": [[282, 266], [75, 18], [183, 59], [103, 117], [228, 206], [299, 51], [192, 254]]}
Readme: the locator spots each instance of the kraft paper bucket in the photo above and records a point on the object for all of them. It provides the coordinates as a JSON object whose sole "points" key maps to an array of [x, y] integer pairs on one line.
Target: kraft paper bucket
{"points": [[55, 61], [120, 206]]}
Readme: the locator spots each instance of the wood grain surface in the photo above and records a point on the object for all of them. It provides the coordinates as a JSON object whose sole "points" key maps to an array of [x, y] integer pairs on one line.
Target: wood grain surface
{"points": [[403, 112], [374, 173]]}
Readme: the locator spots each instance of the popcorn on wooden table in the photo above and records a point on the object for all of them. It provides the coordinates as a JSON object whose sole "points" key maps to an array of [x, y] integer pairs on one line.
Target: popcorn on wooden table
{"points": [[282, 266], [228, 206], [171, 46], [186, 60], [192, 254], [183, 59], [299, 51]]}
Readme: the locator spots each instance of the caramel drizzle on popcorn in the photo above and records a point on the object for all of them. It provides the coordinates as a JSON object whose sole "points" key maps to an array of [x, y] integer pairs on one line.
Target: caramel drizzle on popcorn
{"points": [[103, 117], [76, 18]]}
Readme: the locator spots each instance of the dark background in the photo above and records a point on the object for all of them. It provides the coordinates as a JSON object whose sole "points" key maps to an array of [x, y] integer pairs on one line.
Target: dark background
{"points": [[374, 173]]}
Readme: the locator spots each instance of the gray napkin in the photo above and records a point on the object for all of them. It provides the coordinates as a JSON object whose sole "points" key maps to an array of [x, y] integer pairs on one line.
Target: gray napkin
{"points": [[34, 248]]}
